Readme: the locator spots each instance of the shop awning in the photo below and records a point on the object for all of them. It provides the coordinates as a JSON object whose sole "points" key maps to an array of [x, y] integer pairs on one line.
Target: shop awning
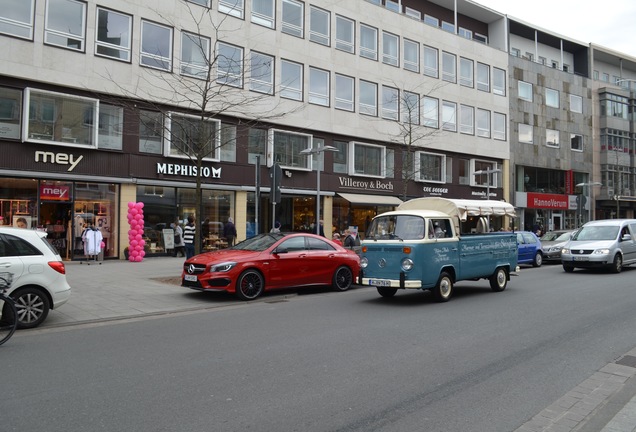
{"points": [[371, 199]]}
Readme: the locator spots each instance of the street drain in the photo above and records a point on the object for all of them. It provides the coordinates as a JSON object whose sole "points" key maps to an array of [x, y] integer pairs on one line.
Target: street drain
{"points": [[627, 360]]}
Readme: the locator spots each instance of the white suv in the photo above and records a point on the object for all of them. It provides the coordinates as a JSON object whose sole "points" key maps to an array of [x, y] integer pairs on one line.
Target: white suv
{"points": [[39, 275]]}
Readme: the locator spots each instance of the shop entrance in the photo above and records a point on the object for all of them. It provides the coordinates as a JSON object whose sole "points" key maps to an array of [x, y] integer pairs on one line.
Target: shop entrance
{"points": [[56, 220]]}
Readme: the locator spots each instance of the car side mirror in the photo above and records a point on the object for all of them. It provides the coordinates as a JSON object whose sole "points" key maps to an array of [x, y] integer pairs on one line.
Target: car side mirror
{"points": [[280, 250], [626, 237]]}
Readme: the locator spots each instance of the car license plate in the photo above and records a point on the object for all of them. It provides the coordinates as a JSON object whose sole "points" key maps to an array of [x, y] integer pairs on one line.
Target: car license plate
{"points": [[380, 282], [581, 258], [191, 278]]}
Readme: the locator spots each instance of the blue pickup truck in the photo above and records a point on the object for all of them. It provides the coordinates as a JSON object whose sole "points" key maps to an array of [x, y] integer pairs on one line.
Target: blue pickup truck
{"points": [[432, 243]]}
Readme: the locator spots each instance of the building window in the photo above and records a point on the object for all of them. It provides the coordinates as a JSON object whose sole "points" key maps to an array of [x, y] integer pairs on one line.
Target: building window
{"points": [[484, 179], [543, 60], [150, 132], [466, 119], [368, 159], [430, 112], [449, 116], [110, 128], [430, 167], [113, 35], [263, 12], [430, 20], [340, 157], [449, 27], [410, 108], [499, 126], [287, 147], [411, 56], [449, 67], [16, 18], [291, 86], [483, 77], [499, 81], [368, 103], [390, 49], [555, 64], [413, 13], [466, 72], [60, 118], [232, 7], [65, 24], [156, 46], [483, 123], [576, 104], [431, 62], [256, 145], [195, 52], [552, 138], [614, 106], [368, 42], [393, 6], [390, 103], [515, 52], [576, 142], [261, 73], [229, 65], [227, 144], [345, 34], [526, 134], [319, 26], [525, 90], [480, 38], [344, 92], [190, 136], [318, 87], [10, 109], [292, 16], [551, 98]]}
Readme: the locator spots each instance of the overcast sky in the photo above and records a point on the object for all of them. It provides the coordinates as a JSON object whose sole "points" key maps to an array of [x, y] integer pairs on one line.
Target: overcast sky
{"points": [[611, 24]]}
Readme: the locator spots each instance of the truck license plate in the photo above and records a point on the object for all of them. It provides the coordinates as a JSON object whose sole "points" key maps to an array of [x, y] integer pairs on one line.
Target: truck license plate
{"points": [[379, 282], [190, 278]]}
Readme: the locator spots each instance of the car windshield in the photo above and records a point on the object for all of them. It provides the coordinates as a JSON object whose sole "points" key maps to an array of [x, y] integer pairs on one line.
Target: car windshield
{"points": [[556, 236], [398, 227], [596, 233], [259, 242]]}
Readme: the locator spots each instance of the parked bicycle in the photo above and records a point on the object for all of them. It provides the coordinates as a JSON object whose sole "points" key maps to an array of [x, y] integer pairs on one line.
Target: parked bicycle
{"points": [[8, 314]]}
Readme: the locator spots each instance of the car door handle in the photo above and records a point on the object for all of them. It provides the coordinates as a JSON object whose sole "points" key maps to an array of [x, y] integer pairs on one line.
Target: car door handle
{"points": [[5, 265], [303, 255]]}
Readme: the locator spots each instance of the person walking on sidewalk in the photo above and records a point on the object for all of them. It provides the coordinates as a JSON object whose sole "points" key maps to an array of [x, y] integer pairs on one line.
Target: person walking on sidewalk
{"points": [[229, 231], [188, 237], [179, 245]]}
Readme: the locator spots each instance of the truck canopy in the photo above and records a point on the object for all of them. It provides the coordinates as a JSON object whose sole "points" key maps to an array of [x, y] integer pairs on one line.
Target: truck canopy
{"points": [[460, 208]]}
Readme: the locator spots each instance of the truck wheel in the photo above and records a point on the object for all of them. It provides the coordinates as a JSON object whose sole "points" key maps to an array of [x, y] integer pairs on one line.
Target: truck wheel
{"points": [[568, 268], [499, 280], [387, 292], [443, 291], [538, 260], [617, 265]]}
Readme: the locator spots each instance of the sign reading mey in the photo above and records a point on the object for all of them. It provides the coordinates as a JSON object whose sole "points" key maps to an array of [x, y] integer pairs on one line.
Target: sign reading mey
{"points": [[187, 170]]}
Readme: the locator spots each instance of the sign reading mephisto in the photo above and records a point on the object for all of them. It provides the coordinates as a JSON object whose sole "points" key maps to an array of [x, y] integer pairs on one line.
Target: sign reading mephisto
{"points": [[187, 170]]}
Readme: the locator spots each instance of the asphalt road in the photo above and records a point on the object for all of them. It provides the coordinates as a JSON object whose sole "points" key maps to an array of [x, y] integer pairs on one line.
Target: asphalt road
{"points": [[327, 361]]}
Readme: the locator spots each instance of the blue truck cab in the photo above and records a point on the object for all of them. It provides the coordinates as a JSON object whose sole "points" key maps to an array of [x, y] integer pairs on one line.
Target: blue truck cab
{"points": [[432, 243]]}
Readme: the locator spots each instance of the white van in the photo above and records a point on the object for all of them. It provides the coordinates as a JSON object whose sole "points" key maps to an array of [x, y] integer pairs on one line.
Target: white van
{"points": [[609, 244]]}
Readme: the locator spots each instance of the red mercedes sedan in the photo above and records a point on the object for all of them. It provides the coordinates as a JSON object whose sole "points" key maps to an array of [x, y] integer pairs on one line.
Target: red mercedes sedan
{"points": [[272, 261]]}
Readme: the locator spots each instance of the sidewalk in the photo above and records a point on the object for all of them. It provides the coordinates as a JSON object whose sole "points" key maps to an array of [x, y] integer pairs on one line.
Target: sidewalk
{"points": [[116, 289]]}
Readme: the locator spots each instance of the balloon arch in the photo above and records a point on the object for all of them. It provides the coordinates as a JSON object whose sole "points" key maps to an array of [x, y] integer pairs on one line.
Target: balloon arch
{"points": [[136, 240]]}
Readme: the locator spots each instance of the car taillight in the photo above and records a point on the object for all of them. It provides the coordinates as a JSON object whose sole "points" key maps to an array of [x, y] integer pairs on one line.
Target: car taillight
{"points": [[58, 266]]}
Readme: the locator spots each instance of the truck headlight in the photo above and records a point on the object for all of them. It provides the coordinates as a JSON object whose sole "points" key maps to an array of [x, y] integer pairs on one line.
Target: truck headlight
{"points": [[407, 264], [364, 262]]}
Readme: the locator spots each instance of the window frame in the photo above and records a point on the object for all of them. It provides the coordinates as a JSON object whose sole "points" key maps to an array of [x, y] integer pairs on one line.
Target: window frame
{"points": [[552, 97], [410, 107], [440, 167], [286, 90], [574, 97], [16, 22], [343, 44], [51, 33], [466, 77], [345, 104], [578, 148], [151, 57], [522, 90], [498, 75], [449, 60], [314, 35], [259, 14], [368, 52], [482, 123], [226, 7], [497, 132], [319, 98], [229, 77], [390, 103], [431, 69], [201, 67], [168, 141], [390, 42], [527, 128], [359, 164], [483, 82], [449, 124], [362, 98], [431, 121], [125, 48], [259, 85], [465, 127], [554, 134], [292, 150], [410, 62]]}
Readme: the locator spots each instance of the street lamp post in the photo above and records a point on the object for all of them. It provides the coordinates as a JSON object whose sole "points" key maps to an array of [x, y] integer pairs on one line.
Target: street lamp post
{"points": [[487, 172], [589, 196], [318, 151]]}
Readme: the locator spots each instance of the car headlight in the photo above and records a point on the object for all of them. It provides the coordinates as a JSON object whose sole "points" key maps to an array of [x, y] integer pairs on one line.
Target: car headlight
{"points": [[601, 252], [565, 251], [364, 262], [407, 264], [222, 267]]}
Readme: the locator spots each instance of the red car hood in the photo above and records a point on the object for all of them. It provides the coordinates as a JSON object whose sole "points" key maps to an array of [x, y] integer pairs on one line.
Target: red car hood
{"points": [[224, 255]]}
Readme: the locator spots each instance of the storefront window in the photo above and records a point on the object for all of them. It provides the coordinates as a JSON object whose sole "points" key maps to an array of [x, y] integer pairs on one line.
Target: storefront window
{"points": [[95, 205], [159, 213], [217, 206], [18, 202], [10, 108]]}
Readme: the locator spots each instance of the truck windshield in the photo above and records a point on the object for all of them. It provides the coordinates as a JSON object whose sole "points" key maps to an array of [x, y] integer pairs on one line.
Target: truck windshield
{"points": [[402, 227]]}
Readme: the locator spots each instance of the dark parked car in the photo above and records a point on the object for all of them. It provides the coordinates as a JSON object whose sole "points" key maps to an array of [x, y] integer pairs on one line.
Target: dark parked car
{"points": [[529, 248], [552, 242], [272, 261]]}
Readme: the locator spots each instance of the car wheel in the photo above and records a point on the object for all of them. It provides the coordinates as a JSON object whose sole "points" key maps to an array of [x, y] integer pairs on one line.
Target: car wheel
{"points": [[250, 285], [32, 306], [342, 279], [386, 292], [538, 260], [499, 280], [617, 265], [568, 268], [443, 291]]}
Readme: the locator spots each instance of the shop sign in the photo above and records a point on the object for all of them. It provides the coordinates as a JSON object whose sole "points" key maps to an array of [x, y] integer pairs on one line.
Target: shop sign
{"points": [[58, 159], [547, 201], [187, 170], [365, 184], [55, 193], [435, 190]]}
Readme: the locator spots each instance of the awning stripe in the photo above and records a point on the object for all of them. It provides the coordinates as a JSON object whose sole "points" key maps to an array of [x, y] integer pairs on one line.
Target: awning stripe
{"points": [[371, 199]]}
